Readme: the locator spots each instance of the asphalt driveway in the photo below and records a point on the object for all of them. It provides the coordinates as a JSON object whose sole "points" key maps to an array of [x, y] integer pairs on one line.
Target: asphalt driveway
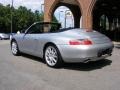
{"points": [[30, 73]]}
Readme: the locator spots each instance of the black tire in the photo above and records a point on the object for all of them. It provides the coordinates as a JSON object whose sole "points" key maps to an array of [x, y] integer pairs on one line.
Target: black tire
{"points": [[59, 61], [14, 48], [0, 38]]}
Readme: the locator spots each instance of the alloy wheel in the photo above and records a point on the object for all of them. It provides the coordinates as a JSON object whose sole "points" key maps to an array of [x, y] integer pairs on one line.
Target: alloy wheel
{"points": [[14, 48], [51, 56]]}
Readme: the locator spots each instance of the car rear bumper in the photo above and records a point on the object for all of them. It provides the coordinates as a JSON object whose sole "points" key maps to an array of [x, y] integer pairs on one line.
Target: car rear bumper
{"points": [[88, 59], [85, 54]]}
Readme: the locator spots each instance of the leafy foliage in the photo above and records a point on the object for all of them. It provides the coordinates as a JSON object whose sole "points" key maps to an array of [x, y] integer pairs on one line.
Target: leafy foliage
{"points": [[22, 18]]}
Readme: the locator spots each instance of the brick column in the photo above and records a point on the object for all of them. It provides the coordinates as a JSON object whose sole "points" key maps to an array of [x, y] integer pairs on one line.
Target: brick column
{"points": [[87, 17], [48, 9], [87, 21]]}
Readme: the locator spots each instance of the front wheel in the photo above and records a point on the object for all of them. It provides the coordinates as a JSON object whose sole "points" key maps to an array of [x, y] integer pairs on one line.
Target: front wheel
{"points": [[14, 48], [0, 38], [52, 56]]}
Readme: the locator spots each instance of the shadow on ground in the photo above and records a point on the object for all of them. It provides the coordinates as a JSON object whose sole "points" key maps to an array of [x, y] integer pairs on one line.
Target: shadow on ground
{"points": [[88, 66], [33, 58], [76, 66]]}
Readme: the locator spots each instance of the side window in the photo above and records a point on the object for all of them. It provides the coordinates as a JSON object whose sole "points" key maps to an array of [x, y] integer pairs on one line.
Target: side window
{"points": [[35, 29]]}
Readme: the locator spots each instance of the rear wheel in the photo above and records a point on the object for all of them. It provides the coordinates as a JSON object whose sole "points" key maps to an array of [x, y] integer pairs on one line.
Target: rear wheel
{"points": [[14, 48], [52, 56]]}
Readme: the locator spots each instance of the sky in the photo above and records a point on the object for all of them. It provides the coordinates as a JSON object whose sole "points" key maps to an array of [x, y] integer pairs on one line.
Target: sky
{"points": [[36, 5], [30, 4]]}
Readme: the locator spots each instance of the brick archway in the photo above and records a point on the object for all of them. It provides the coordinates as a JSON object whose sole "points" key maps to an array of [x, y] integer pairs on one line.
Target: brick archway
{"points": [[56, 3], [73, 9], [85, 7]]}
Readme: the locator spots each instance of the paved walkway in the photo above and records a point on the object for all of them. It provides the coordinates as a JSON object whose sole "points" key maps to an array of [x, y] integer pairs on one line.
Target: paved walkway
{"points": [[117, 44]]}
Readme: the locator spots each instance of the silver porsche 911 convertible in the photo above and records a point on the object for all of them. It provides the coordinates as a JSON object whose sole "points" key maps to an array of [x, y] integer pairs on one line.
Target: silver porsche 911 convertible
{"points": [[55, 45]]}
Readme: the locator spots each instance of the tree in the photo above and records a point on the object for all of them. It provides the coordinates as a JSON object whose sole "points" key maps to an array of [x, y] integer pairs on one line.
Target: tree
{"points": [[5, 13], [22, 18]]}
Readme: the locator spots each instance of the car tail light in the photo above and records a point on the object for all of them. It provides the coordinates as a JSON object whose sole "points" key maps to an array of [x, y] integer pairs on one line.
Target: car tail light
{"points": [[80, 42]]}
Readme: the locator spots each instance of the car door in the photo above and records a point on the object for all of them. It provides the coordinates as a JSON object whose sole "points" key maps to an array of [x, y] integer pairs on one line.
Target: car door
{"points": [[30, 39]]}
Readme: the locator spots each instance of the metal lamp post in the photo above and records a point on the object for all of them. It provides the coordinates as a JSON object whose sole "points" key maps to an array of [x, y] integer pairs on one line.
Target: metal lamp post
{"points": [[66, 16], [60, 16], [12, 16], [42, 8], [72, 21]]}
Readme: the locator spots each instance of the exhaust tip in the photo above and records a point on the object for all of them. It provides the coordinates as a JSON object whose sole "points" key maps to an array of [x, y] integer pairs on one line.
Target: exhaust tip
{"points": [[86, 61]]}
